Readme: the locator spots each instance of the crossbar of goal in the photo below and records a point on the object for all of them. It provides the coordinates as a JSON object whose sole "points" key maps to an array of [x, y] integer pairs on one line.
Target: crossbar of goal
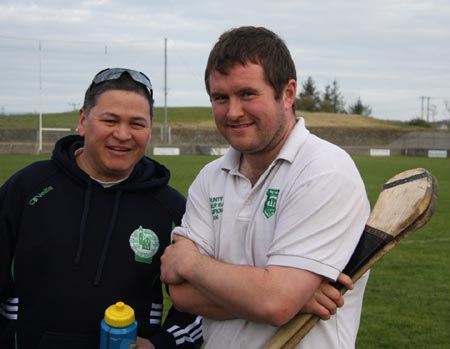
{"points": [[41, 129]]}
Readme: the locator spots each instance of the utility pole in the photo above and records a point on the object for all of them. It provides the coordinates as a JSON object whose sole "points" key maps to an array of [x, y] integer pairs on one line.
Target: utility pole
{"points": [[74, 105], [423, 98], [421, 110]]}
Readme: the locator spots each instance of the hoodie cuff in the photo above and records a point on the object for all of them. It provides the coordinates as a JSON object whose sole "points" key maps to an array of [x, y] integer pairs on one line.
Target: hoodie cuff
{"points": [[163, 340]]}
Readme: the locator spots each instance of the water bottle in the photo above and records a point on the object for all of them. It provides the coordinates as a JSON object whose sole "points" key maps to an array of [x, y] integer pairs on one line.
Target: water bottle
{"points": [[118, 328]]}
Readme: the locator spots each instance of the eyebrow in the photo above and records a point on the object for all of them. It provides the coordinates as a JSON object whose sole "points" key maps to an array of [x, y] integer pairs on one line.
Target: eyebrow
{"points": [[239, 91], [217, 94]]}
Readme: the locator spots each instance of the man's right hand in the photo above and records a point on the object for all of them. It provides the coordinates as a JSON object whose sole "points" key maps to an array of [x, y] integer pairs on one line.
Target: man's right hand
{"points": [[175, 256]]}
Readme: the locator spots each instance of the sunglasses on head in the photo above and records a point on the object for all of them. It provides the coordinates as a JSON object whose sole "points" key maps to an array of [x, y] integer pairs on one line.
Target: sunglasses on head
{"points": [[115, 73]]}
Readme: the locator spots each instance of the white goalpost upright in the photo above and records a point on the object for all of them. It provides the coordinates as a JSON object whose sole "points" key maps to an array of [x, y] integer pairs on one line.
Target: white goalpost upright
{"points": [[41, 129]]}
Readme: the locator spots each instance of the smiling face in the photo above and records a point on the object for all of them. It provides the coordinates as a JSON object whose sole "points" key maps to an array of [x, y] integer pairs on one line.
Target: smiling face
{"points": [[116, 133], [247, 113]]}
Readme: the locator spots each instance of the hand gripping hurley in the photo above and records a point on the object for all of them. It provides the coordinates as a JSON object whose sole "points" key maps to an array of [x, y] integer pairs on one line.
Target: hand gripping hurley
{"points": [[405, 204]]}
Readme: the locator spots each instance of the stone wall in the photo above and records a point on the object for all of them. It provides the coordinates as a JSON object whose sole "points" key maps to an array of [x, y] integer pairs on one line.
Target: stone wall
{"points": [[193, 141]]}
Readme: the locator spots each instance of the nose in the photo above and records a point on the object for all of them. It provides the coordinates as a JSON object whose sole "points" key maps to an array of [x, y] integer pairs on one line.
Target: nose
{"points": [[235, 110], [122, 132]]}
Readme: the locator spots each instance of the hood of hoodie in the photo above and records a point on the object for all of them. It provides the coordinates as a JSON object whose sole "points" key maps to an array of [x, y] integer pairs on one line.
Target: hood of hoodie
{"points": [[147, 173]]}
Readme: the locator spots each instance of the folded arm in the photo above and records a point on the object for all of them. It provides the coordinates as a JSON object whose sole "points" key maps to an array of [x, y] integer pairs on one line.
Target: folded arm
{"points": [[206, 286], [188, 299]]}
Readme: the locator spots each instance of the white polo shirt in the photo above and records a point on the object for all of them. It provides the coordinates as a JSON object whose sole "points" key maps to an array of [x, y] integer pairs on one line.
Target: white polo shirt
{"points": [[306, 211]]}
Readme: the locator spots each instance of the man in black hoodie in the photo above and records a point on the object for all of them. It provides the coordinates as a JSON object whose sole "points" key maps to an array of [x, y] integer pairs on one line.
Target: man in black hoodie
{"points": [[87, 228]]}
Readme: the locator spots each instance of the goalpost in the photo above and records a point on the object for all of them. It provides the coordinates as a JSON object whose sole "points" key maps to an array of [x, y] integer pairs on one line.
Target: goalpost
{"points": [[41, 129]]}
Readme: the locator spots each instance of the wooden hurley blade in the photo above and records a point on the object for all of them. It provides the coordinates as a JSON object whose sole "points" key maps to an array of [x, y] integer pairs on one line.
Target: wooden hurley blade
{"points": [[416, 193], [405, 204]]}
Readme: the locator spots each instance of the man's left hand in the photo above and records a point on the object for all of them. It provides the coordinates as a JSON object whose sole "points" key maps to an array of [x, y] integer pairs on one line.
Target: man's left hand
{"points": [[143, 343], [327, 299]]}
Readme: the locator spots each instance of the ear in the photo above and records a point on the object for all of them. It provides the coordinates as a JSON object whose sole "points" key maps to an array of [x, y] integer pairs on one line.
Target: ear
{"points": [[289, 94], [81, 121]]}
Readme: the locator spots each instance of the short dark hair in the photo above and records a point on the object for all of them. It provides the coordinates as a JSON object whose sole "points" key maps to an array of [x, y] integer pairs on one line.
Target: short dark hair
{"points": [[256, 45], [125, 83]]}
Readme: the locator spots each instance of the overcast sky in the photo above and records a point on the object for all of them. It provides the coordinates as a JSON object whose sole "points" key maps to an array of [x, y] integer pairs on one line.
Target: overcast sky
{"points": [[389, 53]]}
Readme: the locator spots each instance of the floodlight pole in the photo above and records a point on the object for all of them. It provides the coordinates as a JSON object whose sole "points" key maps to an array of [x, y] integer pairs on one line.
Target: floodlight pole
{"points": [[166, 126], [40, 99]]}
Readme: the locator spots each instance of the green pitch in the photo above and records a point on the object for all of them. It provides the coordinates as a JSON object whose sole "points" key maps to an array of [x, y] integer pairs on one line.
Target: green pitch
{"points": [[407, 300]]}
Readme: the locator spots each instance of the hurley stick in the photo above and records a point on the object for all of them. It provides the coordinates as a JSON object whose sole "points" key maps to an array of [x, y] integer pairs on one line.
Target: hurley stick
{"points": [[405, 204]]}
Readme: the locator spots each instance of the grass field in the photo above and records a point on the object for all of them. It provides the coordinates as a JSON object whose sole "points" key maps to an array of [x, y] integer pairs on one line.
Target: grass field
{"points": [[407, 301]]}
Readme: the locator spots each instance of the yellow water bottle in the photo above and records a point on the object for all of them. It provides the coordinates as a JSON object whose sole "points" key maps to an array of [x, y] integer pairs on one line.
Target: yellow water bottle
{"points": [[118, 328]]}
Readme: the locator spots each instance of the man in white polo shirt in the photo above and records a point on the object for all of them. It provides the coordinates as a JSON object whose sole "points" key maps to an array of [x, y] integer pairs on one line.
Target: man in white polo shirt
{"points": [[269, 224]]}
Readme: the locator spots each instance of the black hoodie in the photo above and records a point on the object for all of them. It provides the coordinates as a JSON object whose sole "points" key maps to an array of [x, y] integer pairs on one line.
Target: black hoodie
{"points": [[69, 248]]}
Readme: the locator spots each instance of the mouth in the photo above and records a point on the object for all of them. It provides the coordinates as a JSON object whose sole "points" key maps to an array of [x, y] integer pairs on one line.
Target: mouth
{"points": [[118, 148], [240, 126]]}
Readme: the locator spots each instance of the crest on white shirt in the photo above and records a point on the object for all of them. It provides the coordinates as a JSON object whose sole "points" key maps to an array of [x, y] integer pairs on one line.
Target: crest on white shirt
{"points": [[270, 206]]}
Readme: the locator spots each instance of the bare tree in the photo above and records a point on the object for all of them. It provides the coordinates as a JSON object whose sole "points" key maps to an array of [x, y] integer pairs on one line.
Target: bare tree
{"points": [[447, 105]]}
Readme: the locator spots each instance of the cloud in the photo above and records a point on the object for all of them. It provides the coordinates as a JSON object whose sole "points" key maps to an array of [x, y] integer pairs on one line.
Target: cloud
{"points": [[389, 53]]}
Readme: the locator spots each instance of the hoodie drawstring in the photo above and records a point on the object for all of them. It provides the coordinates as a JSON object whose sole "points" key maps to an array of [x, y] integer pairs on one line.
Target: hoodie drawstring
{"points": [[107, 239], [87, 202], [82, 235]]}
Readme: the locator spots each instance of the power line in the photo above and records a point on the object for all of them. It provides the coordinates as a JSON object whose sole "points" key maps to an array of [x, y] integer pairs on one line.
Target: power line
{"points": [[75, 41]]}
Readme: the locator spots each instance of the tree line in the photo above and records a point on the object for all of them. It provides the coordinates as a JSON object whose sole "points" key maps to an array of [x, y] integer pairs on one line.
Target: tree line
{"points": [[328, 101]]}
